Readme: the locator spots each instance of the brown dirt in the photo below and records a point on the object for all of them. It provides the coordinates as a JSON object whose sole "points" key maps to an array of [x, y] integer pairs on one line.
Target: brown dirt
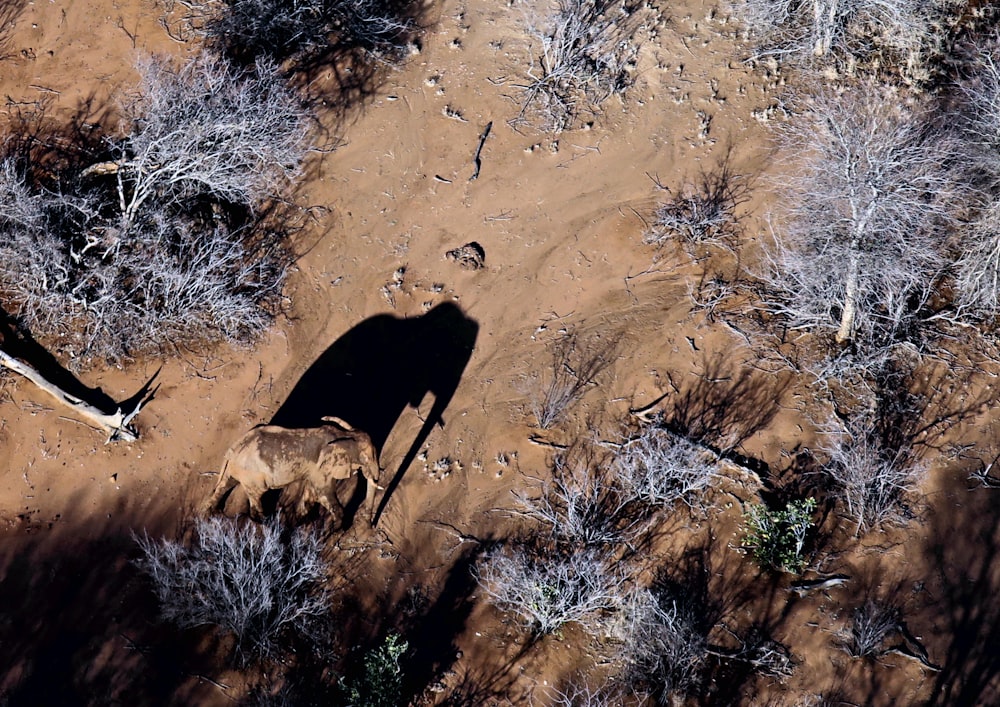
{"points": [[561, 224]]}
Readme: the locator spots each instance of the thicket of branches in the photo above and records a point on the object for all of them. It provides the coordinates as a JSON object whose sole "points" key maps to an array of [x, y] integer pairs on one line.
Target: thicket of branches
{"points": [[308, 32], [548, 590], [977, 269], [582, 53], [899, 37], [259, 583], [663, 642], [163, 240], [874, 478]]}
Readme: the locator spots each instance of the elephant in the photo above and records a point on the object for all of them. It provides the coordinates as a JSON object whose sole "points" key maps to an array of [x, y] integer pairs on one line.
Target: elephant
{"points": [[272, 457]]}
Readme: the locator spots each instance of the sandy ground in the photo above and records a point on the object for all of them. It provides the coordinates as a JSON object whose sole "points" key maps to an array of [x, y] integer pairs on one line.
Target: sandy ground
{"points": [[561, 223]]}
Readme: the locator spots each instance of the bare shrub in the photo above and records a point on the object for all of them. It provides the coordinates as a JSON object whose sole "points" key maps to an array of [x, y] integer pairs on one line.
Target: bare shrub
{"points": [[873, 479], [206, 129], [700, 213], [660, 468], [864, 245], [977, 270], [897, 36], [256, 582], [159, 245], [576, 365], [584, 504], [582, 695], [585, 51], [549, 590], [871, 624], [303, 30], [23, 208], [663, 642]]}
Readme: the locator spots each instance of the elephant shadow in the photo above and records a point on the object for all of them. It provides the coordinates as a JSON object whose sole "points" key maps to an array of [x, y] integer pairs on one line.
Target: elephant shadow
{"points": [[372, 373]]}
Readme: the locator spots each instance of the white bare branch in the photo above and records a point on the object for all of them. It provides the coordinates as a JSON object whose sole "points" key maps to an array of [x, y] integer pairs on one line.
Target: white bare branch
{"points": [[207, 128], [581, 586], [875, 482], [583, 52], [249, 580]]}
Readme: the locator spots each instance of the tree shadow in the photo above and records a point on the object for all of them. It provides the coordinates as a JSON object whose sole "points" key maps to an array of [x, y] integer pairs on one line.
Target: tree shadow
{"points": [[337, 52], [373, 372], [79, 623], [9, 11], [964, 549]]}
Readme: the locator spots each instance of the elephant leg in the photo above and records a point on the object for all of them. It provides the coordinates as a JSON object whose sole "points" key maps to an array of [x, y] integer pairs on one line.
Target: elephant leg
{"points": [[225, 485], [370, 498], [253, 496], [333, 507], [305, 502]]}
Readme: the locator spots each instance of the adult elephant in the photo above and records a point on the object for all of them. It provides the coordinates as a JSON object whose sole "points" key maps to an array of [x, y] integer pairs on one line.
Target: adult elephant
{"points": [[271, 457]]}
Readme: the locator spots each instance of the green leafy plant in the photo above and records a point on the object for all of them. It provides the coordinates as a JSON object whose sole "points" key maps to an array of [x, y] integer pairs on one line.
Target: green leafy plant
{"points": [[380, 684], [776, 538]]}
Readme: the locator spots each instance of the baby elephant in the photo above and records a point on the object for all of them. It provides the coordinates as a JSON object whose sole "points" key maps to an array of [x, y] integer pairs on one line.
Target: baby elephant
{"points": [[271, 457]]}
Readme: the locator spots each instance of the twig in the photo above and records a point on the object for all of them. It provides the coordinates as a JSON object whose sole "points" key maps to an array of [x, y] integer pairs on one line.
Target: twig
{"points": [[479, 150]]}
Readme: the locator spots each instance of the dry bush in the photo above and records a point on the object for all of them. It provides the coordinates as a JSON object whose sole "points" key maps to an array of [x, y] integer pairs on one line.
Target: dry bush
{"points": [[583, 52], [663, 642], [871, 624], [205, 129], [660, 468], [302, 30], [257, 582], [548, 590], [881, 36], [875, 480], [576, 365], [610, 494], [585, 504], [977, 270], [583, 695], [702, 213], [160, 244], [871, 199]]}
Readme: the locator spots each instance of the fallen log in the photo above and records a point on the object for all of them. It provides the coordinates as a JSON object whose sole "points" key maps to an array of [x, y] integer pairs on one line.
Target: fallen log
{"points": [[117, 424]]}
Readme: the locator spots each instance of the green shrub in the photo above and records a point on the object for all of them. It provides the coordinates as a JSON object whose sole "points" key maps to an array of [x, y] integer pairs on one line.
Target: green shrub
{"points": [[776, 538], [380, 684]]}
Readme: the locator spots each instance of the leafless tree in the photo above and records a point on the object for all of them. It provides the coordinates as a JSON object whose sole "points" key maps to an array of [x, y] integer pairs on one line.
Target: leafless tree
{"points": [[863, 245], [660, 468], [584, 52], [551, 589], [874, 480], [205, 128], [256, 582], [876, 34]]}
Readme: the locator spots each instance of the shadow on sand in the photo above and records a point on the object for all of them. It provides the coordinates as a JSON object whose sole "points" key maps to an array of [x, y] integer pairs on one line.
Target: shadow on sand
{"points": [[373, 372]]}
